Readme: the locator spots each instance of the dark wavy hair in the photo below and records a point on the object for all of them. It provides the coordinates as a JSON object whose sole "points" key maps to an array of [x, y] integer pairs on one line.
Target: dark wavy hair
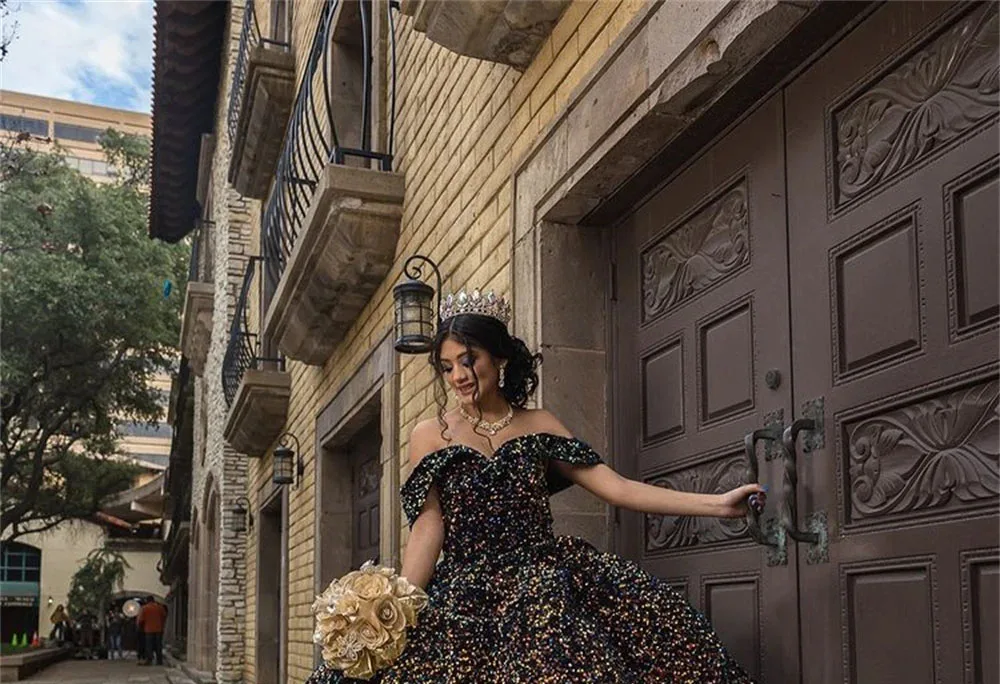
{"points": [[486, 332]]}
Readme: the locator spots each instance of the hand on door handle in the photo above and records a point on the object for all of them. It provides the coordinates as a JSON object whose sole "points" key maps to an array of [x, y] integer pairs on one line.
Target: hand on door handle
{"points": [[753, 510], [791, 480]]}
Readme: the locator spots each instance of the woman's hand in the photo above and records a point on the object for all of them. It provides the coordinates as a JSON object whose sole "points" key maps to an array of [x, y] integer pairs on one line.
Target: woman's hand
{"points": [[733, 504]]}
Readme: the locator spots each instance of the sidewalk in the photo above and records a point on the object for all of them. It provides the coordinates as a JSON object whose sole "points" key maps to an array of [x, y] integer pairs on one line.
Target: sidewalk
{"points": [[106, 672]]}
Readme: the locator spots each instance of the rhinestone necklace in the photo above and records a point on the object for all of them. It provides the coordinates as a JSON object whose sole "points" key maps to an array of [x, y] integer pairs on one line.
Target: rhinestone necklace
{"points": [[491, 428]]}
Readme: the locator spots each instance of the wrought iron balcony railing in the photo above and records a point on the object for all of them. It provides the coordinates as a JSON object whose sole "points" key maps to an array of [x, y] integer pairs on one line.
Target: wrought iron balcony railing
{"points": [[313, 139], [250, 38], [244, 350]]}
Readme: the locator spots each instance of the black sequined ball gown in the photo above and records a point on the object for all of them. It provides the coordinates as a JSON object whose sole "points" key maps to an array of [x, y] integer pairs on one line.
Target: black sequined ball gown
{"points": [[512, 603]]}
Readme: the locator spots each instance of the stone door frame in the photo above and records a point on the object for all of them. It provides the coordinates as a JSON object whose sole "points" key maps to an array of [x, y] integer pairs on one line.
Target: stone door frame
{"points": [[634, 121], [268, 496], [371, 393]]}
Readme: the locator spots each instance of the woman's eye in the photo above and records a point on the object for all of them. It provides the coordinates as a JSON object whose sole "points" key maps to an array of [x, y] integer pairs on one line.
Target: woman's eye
{"points": [[468, 362]]}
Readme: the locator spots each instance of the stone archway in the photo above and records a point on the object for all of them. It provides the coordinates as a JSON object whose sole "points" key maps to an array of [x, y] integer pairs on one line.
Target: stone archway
{"points": [[209, 587]]}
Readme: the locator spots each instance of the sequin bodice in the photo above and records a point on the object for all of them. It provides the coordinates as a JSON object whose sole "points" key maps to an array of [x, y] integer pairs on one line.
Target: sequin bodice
{"points": [[497, 504]]}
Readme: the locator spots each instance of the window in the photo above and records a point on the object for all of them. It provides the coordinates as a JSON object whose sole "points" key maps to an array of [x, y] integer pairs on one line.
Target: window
{"points": [[79, 133], [20, 563], [12, 122], [91, 167]]}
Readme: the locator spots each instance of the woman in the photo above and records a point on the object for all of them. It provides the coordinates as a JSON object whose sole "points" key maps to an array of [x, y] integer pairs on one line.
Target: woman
{"points": [[59, 620], [115, 623], [510, 602]]}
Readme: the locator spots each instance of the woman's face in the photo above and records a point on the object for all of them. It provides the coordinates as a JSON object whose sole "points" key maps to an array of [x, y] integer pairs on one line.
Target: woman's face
{"points": [[457, 364]]}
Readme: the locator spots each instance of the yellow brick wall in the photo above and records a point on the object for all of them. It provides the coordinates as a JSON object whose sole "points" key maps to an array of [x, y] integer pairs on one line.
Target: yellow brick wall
{"points": [[461, 126]]}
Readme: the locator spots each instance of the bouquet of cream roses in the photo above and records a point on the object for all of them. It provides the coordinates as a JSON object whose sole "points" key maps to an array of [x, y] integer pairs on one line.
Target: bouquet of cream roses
{"points": [[361, 619]]}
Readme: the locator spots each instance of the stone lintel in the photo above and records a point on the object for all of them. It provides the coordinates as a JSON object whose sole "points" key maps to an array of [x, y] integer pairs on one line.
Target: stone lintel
{"points": [[196, 324], [343, 253], [268, 92], [259, 411], [505, 31]]}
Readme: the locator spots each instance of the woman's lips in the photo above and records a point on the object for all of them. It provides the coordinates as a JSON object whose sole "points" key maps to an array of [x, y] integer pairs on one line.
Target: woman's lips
{"points": [[465, 390]]}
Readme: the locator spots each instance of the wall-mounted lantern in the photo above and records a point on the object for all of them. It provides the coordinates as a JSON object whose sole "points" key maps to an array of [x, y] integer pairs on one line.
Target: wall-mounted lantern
{"points": [[241, 518], [288, 464], [416, 316]]}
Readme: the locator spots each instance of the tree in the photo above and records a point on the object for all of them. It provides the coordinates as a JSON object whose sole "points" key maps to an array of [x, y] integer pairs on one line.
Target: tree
{"points": [[8, 28], [86, 325], [93, 585]]}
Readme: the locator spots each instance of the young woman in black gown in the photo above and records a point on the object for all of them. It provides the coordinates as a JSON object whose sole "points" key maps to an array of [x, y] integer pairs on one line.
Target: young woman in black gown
{"points": [[510, 602]]}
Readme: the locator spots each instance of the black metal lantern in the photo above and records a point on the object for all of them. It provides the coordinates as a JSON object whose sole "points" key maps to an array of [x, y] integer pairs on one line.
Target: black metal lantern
{"points": [[416, 315], [240, 516], [288, 464]]}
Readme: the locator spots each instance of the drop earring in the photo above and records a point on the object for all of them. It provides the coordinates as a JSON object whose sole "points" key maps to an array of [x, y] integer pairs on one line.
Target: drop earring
{"points": [[503, 379]]}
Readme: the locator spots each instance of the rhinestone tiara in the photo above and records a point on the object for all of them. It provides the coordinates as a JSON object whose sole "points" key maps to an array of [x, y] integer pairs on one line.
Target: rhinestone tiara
{"points": [[476, 303]]}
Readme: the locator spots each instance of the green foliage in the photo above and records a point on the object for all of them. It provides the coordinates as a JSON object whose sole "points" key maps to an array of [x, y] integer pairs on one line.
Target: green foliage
{"points": [[85, 328], [129, 154], [93, 585]]}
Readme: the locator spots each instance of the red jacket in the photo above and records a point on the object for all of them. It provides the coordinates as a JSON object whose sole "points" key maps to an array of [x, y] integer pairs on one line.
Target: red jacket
{"points": [[152, 618]]}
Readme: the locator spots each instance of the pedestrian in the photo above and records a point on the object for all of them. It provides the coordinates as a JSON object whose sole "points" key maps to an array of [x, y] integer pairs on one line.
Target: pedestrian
{"points": [[59, 619], [140, 638], [115, 623], [152, 619]]}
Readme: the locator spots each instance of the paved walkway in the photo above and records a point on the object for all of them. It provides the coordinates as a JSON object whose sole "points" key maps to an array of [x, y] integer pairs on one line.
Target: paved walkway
{"points": [[106, 672]]}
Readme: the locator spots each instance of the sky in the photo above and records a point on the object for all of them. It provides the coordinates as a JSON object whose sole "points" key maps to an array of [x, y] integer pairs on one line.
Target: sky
{"points": [[94, 51]]}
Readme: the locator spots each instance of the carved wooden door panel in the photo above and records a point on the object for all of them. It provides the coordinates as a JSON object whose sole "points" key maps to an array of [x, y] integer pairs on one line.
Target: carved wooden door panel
{"points": [[892, 205], [366, 470], [702, 317]]}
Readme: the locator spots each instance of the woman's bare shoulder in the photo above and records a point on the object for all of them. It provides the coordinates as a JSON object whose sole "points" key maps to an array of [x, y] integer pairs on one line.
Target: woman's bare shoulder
{"points": [[425, 438], [540, 420]]}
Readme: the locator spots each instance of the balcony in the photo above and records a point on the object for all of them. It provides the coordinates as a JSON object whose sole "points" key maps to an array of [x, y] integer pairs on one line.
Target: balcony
{"points": [[505, 31], [331, 222], [256, 386], [196, 319], [259, 104]]}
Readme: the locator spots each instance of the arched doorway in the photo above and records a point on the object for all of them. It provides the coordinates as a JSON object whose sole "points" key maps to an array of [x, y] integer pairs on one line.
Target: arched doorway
{"points": [[210, 565], [130, 631], [20, 577]]}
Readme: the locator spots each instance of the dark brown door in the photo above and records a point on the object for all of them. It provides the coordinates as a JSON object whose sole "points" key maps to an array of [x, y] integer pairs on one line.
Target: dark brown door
{"points": [[270, 603], [366, 474], [703, 310], [892, 193], [882, 269]]}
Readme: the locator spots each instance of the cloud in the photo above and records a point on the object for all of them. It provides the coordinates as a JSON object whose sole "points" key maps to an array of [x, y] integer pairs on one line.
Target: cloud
{"points": [[94, 51]]}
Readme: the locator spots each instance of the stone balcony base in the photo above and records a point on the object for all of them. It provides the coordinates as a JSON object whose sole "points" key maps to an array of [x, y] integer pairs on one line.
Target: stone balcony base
{"points": [[268, 93], [259, 411], [196, 324], [505, 31], [343, 253]]}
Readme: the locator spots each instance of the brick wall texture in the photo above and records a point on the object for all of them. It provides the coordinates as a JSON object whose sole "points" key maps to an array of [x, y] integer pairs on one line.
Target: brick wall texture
{"points": [[461, 126]]}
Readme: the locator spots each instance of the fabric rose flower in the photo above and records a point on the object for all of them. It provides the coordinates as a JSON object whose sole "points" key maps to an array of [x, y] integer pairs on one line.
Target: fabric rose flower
{"points": [[361, 619]]}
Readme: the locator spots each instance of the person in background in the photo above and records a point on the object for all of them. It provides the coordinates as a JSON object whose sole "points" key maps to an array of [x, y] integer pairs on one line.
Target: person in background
{"points": [[152, 619], [140, 638], [115, 622], [59, 619]]}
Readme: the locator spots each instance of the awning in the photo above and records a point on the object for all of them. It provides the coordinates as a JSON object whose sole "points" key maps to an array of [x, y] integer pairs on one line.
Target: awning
{"points": [[189, 43]]}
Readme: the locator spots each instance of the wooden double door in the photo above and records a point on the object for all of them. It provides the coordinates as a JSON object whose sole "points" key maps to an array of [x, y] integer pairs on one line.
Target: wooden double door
{"points": [[834, 258]]}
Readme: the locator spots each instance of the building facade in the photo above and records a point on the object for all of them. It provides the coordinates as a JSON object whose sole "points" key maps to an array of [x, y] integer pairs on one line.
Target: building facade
{"points": [[749, 238]]}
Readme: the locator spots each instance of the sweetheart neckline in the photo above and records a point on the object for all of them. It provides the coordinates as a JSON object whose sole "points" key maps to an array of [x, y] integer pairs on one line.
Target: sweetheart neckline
{"points": [[478, 452]]}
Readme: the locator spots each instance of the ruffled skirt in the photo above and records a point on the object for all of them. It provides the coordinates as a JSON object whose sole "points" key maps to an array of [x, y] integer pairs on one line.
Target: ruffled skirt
{"points": [[557, 611]]}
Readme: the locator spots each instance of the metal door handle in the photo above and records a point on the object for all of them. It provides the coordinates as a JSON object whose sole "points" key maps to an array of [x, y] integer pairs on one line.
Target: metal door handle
{"points": [[789, 513], [772, 433]]}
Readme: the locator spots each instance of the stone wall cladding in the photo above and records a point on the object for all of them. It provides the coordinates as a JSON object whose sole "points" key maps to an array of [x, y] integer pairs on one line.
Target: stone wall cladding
{"points": [[461, 126], [231, 233]]}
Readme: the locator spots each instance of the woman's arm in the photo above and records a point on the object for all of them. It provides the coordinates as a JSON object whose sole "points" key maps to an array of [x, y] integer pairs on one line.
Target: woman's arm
{"points": [[427, 534], [616, 490], [605, 483]]}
